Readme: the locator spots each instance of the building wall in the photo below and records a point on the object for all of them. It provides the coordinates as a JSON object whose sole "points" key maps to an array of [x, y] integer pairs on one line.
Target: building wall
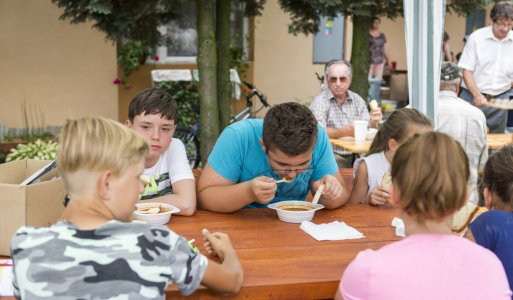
{"points": [[283, 67], [54, 69], [140, 80], [283, 62]]}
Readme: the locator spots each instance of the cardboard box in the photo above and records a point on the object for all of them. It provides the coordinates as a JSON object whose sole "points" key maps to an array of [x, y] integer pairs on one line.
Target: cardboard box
{"points": [[38, 204]]}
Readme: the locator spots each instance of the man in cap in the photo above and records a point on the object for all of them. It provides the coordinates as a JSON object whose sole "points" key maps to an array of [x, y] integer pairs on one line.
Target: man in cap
{"points": [[463, 121], [488, 67]]}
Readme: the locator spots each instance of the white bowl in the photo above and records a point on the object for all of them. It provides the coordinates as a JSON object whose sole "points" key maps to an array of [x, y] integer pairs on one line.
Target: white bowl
{"points": [[371, 133], [155, 219], [295, 216]]}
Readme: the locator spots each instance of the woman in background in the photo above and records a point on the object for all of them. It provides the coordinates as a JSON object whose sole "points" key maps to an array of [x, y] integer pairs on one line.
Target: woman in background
{"points": [[377, 59], [447, 54]]}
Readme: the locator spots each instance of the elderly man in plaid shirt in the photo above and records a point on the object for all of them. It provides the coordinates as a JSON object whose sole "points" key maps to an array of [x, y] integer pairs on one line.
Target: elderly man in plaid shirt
{"points": [[337, 107]]}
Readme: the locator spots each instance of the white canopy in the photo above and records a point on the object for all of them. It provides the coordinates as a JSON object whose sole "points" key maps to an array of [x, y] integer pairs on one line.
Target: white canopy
{"points": [[424, 25]]}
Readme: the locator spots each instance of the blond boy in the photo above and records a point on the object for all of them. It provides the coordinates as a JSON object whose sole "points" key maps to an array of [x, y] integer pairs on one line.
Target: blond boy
{"points": [[97, 253]]}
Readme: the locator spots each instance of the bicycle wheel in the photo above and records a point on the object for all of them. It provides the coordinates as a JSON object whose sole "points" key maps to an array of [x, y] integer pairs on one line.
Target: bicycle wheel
{"points": [[192, 145]]}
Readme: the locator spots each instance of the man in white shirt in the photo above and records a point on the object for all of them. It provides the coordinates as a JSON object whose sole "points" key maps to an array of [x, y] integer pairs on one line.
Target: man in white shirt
{"points": [[463, 122], [488, 65]]}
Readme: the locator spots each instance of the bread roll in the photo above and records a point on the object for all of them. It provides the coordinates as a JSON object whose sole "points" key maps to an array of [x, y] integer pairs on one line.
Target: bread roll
{"points": [[373, 105], [462, 217], [386, 181]]}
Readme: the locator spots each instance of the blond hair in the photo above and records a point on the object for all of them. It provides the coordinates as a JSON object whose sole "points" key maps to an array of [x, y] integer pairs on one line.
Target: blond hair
{"points": [[431, 172], [98, 144]]}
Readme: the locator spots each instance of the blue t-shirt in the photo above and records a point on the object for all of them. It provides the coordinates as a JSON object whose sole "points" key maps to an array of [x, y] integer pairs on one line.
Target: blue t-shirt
{"points": [[494, 231], [239, 157]]}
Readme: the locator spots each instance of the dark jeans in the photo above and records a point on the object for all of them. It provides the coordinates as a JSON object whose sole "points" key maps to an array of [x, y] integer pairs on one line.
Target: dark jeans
{"points": [[496, 119]]}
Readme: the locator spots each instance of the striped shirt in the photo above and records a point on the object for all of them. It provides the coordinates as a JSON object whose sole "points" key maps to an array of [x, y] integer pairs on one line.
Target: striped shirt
{"points": [[467, 125], [329, 113]]}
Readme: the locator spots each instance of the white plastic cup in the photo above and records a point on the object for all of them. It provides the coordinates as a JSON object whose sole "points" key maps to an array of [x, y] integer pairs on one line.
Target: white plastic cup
{"points": [[360, 131]]}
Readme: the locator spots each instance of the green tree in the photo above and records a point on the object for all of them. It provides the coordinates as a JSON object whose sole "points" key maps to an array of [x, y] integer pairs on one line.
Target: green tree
{"points": [[133, 24], [207, 66], [305, 18]]}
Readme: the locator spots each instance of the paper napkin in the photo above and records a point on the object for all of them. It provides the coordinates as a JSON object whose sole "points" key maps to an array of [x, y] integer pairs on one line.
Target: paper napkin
{"points": [[399, 226], [330, 232], [5, 277]]}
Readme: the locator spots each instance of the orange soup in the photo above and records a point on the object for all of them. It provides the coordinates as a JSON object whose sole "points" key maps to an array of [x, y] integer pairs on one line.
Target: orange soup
{"points": [[295, 207]]}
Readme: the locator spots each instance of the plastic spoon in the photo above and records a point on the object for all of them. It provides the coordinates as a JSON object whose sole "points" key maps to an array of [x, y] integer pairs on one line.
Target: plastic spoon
{"points": [[284, 179], [318, 194]]}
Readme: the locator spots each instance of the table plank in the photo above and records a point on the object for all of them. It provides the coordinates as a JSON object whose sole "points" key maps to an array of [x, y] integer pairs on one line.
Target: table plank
{"points": [[279, 259], [499, 106], [498, 140], [347, 143], [495, 141]]}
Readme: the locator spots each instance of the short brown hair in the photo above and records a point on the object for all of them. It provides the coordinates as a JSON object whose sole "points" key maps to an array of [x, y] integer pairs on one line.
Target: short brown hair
{"points": [[431, 172], [290, 127], [502, 10], [396, 127], [498, 175], [151, 102]]}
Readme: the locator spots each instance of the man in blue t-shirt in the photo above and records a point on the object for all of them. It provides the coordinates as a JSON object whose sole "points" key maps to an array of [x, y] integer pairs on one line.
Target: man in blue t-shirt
{"points": [[251, 156]]}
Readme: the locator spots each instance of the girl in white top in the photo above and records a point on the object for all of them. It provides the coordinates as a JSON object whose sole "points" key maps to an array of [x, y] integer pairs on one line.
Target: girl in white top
{"points": [[368, 171]]}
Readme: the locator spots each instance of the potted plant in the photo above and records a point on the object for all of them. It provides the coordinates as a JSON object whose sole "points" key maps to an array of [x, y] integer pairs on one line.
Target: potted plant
{"points": [[131, 55], [39, 149]]}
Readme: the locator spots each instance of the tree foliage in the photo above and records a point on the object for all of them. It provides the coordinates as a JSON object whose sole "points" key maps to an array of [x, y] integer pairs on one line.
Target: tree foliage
{"points": [[123, 20], [133, 24]]}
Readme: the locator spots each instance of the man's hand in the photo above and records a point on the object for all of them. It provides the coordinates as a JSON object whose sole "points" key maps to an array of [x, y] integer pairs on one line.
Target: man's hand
{"points": [[479, 100], [375, 117], [332, 188], [263, 189], [349, 130]]}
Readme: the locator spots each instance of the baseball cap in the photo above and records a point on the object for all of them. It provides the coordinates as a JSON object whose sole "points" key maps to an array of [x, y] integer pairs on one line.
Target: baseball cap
{"points": [[449, 71]]}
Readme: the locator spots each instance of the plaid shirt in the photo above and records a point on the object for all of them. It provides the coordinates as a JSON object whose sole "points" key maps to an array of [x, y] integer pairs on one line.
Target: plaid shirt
{"points": [[467, 125], [329, 113]]}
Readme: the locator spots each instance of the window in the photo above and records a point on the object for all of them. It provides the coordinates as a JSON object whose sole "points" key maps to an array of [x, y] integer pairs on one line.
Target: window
{"points": [[183, 35], [328, 43]]}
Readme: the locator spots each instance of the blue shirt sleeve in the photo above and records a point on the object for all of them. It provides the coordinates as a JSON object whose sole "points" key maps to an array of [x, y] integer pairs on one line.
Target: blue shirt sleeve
{"points": [[324, 159], [226, 157], [484, 230]]}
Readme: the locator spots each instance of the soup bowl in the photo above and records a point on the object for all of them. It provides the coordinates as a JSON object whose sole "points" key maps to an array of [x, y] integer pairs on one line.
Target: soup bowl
{"points": [[294, 211], [155, 213]]}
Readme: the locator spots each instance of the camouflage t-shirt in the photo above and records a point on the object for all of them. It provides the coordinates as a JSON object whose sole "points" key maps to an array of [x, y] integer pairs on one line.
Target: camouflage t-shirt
{"points": [[117, 260]]}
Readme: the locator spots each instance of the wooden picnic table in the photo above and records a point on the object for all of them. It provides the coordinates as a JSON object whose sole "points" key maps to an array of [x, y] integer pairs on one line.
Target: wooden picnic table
{"points": [[282, 261], [495, 141], [278, 258], [347, 143], [498, 140]]}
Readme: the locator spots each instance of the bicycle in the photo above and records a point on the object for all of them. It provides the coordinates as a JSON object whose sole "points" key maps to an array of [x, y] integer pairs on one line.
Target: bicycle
{"points": [[189, 135], [321, 80]]}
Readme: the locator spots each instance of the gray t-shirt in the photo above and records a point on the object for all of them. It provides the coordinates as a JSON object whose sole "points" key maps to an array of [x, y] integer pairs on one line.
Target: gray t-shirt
{"points": [[117, 260]]}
